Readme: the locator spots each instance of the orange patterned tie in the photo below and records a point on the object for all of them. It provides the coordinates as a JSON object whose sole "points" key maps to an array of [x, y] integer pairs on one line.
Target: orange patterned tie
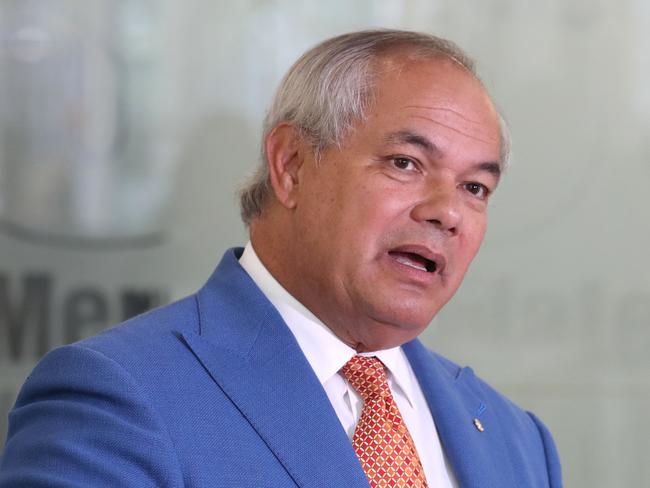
{"points": [[381, 440]]}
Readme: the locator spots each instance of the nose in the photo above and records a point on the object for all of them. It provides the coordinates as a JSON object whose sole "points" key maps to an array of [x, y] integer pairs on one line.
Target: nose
{"points": [[442, 208]]}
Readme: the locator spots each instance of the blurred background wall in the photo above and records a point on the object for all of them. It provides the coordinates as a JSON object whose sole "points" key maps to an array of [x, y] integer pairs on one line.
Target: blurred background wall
{"points": [[127, 125]]}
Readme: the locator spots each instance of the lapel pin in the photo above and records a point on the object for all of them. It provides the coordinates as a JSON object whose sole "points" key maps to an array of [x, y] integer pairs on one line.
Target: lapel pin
{"points": [[479, 425]]}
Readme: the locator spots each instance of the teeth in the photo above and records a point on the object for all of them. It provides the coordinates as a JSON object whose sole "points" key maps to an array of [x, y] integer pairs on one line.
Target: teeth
{"points": [[408, 262]]}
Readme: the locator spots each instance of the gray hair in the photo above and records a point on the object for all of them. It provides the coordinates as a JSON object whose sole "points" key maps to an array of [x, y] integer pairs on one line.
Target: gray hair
{"points": [[330, 87]]}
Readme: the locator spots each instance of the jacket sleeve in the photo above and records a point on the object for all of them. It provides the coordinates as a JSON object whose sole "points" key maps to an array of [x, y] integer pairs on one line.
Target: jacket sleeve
{"points": [[552, 456], [81, 420]]}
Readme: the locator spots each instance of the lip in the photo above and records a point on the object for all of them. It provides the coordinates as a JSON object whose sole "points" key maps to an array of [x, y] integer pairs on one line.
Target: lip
{"points": [[422, 251]]}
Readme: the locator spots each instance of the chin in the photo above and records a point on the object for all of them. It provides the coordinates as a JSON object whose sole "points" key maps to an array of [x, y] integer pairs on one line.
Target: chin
{"points": [[407, 314], [382, 338], [393, 328]]}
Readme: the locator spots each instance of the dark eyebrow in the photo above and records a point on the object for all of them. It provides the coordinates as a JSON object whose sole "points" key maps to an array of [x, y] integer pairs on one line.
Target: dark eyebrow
{"points": [[493, 168], [407, 137]]}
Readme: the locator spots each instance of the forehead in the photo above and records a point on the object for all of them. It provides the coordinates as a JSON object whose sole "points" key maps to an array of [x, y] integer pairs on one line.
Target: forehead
{"points": [[437, 77], [432, 94]]}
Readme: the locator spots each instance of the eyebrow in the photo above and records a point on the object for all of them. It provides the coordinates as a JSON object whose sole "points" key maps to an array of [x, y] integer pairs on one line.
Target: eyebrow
{"points": [[493, 168], [408, 137]]}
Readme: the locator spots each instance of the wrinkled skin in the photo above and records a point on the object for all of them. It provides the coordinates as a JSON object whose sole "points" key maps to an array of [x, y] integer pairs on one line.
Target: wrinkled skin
{"points": [[351, 236]]}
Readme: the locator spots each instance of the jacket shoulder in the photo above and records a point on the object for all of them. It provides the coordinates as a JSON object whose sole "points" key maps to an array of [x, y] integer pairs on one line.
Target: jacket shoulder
{"points": [[83, 418], [519, 435], [151, 332]]}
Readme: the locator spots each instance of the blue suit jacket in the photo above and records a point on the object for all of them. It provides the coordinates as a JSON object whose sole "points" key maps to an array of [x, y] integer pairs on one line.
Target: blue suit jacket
{"points": [[213, 391]]}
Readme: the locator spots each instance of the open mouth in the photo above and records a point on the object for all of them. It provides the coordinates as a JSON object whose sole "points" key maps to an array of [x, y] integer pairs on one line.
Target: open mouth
{"points": [[414, 260]]}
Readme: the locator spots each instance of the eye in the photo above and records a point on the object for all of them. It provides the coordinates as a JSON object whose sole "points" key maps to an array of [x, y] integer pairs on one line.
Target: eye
{"points": [[478, 190], [403, 163]]}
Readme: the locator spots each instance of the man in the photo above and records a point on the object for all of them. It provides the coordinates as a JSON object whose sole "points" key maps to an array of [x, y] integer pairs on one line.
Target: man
{"points": [[297, 364]]}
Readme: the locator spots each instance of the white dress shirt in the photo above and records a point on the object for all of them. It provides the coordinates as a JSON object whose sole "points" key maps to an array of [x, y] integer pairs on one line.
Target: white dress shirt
{"points": [[327, 354]]}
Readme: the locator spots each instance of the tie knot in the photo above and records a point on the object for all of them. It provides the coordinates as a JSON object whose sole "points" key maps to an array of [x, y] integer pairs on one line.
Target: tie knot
{"points": [[367, 375]]}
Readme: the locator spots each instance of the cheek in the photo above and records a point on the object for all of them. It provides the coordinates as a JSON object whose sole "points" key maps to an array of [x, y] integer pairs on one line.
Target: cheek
{"points": [[377, 220], [479, 234], [473, 237], [365, 206], [382, 206]]}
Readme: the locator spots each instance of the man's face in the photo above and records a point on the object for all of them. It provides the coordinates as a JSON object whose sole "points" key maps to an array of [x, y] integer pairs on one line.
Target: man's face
{"points": [[385, 227]]}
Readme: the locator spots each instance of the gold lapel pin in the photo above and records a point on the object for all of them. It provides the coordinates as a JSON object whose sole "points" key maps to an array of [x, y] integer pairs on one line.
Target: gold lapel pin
{"points": [[478, 425]]}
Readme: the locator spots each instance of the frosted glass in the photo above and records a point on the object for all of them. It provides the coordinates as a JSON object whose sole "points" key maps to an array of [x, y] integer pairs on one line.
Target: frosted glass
{"points": [[555, 309]]}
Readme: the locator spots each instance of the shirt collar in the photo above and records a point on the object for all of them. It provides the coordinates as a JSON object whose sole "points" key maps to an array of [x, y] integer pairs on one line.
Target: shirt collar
{"points": [[324, 351]]}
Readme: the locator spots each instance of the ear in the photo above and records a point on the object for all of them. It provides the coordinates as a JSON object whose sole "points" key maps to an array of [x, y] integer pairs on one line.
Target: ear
{"points": [[285, 151]]}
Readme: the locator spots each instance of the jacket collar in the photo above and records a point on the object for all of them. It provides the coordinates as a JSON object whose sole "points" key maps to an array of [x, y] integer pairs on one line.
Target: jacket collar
{"points": [[460, 411], [253, 357]]}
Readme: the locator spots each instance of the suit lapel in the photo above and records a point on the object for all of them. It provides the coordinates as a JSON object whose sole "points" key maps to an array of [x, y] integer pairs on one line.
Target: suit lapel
{"points": [[251, 354], [478, 458]]}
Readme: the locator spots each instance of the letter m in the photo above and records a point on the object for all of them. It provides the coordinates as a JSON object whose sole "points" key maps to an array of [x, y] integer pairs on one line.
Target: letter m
{"points": [[27, 317]]}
